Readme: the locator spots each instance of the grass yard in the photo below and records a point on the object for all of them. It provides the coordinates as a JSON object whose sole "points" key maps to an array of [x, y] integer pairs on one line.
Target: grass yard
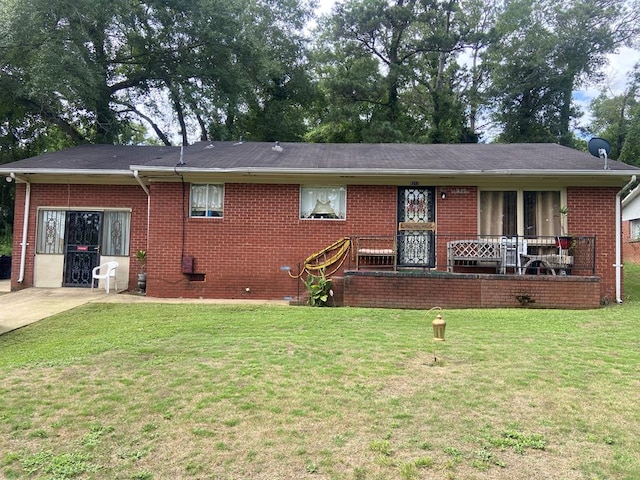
{"points": [[156, 391]]}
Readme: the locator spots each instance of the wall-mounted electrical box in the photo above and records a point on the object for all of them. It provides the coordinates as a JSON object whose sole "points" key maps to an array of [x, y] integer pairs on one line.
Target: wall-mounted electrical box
{"points": [[188, 264]]}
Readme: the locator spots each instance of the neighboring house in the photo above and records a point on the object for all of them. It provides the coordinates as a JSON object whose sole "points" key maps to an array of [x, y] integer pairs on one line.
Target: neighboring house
{"points": [[430, 225], [631, 226]]}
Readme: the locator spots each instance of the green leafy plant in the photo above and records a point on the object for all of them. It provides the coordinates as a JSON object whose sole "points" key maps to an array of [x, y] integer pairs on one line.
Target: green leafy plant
{"points": [[5, 245], [319, 289], [563, 212], [141, 256]]}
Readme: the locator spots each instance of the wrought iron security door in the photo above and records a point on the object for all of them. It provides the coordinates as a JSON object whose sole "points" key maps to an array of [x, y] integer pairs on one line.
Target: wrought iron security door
{"points": [[82, 247], [416, 227]]}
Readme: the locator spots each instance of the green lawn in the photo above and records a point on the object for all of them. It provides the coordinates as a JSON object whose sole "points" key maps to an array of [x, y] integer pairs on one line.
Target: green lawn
{"points": [[158, 391]]}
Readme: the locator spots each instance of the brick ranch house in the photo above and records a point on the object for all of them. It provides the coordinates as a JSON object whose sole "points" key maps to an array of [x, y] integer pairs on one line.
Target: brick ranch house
{"points": [[428, 225]]}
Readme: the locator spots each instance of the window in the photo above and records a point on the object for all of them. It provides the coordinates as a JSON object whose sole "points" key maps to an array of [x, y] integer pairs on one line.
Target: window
{"points": [[323, 202], [116, 226], [207, 200], [115, 232], [635, 229], [528, 213], [50, 232]]}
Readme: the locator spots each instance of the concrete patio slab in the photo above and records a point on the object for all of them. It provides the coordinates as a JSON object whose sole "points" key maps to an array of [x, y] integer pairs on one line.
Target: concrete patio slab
{"points": [[23, 307]]}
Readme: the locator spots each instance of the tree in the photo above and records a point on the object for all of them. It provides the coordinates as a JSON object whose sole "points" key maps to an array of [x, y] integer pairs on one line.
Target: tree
{"points": [[390, 67], [630, 152], [547, 50], [630, 145], [91, 67], [617, 119]]}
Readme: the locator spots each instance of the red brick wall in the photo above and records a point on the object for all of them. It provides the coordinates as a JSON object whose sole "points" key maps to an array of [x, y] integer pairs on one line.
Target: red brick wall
{"points": [[406, 290], [260, 232], [456, 214], [592, 213]]}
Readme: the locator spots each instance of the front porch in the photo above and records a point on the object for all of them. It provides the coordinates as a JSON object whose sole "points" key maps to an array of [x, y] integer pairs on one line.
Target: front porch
{"points": [[463, 271], [431, 288], [475, 253]]}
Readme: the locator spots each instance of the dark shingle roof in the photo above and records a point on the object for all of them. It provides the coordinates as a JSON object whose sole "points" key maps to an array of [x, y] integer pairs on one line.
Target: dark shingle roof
{"points": [[261, 156]]}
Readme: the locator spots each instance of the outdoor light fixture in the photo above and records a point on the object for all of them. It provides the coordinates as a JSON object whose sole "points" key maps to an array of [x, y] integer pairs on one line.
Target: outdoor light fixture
{"points": [[439, 326], [443, 194]]}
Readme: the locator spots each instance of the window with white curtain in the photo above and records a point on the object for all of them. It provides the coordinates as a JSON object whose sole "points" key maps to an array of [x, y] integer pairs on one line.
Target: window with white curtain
{"points": [[517, 212], [207, 200], [323, 202], [116, 227], [50, 235]]}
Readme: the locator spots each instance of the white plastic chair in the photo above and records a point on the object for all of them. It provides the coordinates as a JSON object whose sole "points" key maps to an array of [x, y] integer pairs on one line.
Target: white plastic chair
{"points": [[105, 272]]}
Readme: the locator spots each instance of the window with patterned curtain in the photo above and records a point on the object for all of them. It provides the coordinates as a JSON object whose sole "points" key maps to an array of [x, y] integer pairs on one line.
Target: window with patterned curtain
{"points": [[50, 235], [116, 229], [207, 200]]}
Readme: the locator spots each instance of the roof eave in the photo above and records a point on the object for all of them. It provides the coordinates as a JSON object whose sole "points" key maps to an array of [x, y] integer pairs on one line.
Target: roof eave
{"points": [[380, 172], [319, 172], [64, 171], [632, 196]]}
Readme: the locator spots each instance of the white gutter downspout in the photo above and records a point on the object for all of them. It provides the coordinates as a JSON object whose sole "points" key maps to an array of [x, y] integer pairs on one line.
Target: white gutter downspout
{"points": [[618, 264], [25, 227], [146, 190]]}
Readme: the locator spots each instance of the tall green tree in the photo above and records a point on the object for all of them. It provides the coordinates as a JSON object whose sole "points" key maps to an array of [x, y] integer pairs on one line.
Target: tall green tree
{"points": [[389, 69], [91, 67], [617, 119], [548, 49], [630, 145], [630, 152]]}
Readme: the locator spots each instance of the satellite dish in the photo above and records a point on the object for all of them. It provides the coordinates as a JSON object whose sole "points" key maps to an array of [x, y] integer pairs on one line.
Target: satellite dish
{"points": [[599, 147]]}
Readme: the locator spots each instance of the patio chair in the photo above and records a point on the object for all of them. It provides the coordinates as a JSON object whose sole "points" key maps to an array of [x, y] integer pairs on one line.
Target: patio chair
{"points": [[512, 251], [105, 272]]}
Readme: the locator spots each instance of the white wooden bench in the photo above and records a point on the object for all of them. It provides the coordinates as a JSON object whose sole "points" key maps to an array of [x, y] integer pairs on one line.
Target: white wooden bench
{"points": [[473, 252]]}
